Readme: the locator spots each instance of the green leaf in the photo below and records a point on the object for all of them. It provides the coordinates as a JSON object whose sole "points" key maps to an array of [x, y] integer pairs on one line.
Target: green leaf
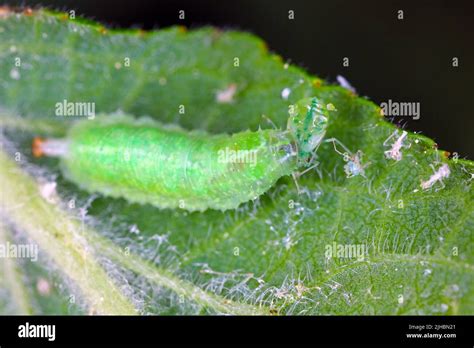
{"points": [[268, 256]]}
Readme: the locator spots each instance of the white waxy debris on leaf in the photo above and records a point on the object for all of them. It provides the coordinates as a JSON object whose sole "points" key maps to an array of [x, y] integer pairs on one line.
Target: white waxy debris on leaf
{"points": [[285, 93], [134, 229], [43, 287], [48, 191], [331, 107], [14, 74], [439, 175], [395, 151], [354, 165], [226, 96], [344, 83], [455, 287]]}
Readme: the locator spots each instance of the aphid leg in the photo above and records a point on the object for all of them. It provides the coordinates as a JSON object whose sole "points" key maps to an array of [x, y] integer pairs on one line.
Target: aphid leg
{"points": [[308, 169], [347, 155], [270, 121], [442, 185], [296, 175], [385, 143], [388, 153], [295, 179]]}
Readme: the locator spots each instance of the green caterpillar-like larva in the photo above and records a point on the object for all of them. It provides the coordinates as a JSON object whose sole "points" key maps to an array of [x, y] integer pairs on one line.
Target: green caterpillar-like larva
{"points": [[169, 167]]}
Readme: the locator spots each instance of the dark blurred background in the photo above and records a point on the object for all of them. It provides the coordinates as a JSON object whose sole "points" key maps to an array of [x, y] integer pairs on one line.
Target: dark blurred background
{"points": [[407, 60]]}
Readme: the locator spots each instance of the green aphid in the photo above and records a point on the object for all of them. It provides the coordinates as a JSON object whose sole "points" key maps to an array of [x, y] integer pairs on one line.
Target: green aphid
{"points": [[168, 167]]}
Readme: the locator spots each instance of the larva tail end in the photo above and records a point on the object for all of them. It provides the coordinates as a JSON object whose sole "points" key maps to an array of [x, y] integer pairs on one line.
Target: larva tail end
{"points": [[36, 147]]}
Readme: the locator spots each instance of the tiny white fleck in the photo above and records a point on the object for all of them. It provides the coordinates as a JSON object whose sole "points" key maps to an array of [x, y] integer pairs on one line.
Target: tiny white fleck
{"points": [[285, 66], [15, 74], [331, 107], [400, 299], [227, 95], [44, 35], [43, 287], [117, 65], [344, 83], [427, 272], [48, 191], [134, 229], [12, 49], [285, 93], [444, 307]]}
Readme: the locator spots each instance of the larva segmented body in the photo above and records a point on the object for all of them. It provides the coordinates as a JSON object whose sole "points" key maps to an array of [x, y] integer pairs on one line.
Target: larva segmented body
{"points": [[172, 168]]}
